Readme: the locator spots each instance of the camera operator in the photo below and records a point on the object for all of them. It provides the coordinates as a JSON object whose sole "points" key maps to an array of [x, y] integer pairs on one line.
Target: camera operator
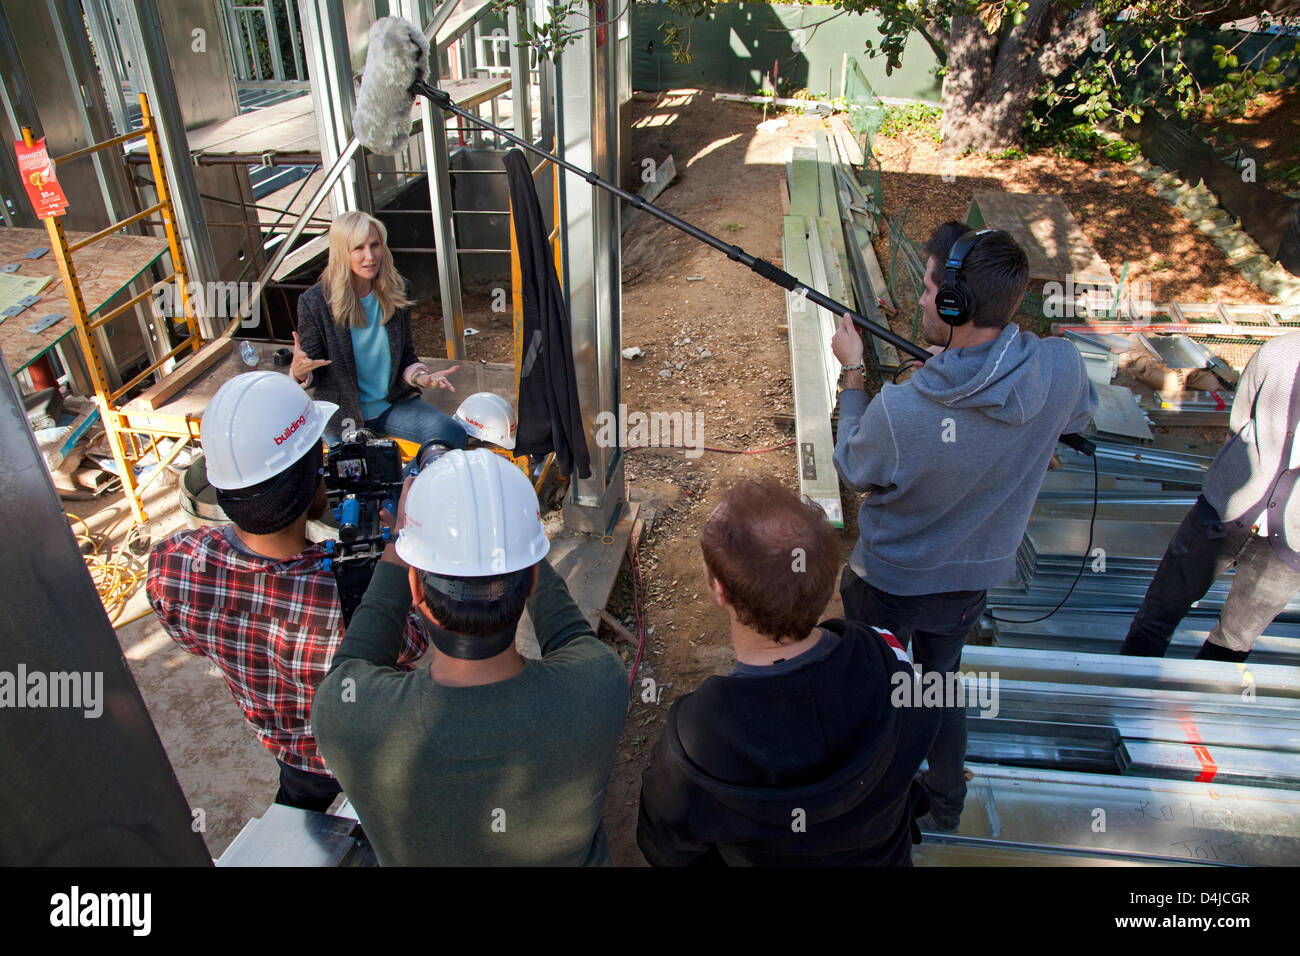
{"points": [[953, 459], [488, 759], [254, 597]]}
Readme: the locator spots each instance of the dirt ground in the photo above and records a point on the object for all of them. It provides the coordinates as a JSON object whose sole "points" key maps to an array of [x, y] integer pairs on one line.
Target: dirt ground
{"points": [[680, 298]]}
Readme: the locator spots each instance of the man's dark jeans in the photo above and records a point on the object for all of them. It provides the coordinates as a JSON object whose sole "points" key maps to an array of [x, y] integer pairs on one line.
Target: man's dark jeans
{"points": [[937, 624], [1202, 549], [304, 789]]}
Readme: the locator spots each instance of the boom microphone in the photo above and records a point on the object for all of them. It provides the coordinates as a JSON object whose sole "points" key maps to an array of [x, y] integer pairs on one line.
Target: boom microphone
{"points": [[396, 71], [397, 62]]}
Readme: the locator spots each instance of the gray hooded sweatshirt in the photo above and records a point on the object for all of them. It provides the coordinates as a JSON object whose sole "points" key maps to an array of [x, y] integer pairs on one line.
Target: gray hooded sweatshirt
{"points": [[953, 460]]}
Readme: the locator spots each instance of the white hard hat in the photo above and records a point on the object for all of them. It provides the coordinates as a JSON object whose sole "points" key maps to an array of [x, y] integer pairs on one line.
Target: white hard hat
{"points": [[256, 426], [472, 514], [488, 417]]}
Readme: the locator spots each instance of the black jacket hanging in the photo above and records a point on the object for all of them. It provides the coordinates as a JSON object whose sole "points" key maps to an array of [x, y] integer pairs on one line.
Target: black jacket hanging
{"points": [[550, 418]]}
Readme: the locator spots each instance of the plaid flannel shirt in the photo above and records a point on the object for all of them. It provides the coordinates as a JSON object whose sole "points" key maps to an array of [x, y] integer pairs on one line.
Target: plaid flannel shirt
{"points": [[270, 626]]}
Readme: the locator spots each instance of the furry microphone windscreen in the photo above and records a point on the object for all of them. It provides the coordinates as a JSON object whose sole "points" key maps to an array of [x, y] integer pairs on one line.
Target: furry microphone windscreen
{"points": [[397, 58]]}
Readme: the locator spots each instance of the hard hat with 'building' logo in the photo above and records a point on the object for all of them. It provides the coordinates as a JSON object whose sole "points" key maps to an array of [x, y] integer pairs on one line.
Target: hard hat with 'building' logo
{"points": [[488, 417], [472, 514], [256, 426]]}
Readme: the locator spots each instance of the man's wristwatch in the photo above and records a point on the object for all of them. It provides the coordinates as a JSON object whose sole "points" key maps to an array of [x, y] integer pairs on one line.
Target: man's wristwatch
{"points": [[853, 368]]}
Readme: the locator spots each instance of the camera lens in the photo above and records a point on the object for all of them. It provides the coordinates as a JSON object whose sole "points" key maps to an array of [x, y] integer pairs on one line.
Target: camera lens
{"points": [[430, 452]]}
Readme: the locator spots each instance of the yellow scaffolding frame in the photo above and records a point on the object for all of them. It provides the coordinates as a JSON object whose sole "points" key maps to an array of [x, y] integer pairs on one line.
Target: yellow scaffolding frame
{"points": [[124, 432]]}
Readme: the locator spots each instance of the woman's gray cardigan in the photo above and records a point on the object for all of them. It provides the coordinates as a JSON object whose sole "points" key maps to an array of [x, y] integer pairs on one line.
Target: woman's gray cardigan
{"points": [[323, 338]]}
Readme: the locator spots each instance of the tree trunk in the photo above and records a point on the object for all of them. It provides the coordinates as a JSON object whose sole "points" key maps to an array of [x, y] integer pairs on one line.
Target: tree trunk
{"points": [[972, 52], [994, 71]]}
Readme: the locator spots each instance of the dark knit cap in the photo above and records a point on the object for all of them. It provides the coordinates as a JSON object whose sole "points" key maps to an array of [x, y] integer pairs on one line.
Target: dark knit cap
{"points": [[276, 503]]}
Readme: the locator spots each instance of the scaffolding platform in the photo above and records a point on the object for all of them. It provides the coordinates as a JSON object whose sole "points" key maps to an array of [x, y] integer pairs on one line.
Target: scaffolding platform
{"points": [[285, 134], [103, 270]]}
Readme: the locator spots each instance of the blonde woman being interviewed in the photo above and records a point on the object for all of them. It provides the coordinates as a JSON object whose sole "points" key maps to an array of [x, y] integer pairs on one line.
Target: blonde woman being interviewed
{"points": [[353, 346]]}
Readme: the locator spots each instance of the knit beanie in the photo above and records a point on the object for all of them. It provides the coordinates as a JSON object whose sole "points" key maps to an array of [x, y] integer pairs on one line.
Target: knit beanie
{"points": [[276, 503]]}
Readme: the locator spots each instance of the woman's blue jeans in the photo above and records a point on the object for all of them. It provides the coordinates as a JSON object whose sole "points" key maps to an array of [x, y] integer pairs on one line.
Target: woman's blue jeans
{"points": [[412, 420]]}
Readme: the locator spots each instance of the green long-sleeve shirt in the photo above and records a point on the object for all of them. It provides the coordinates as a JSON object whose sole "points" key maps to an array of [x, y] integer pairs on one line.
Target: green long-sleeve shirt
{"points": [[511, 773]]}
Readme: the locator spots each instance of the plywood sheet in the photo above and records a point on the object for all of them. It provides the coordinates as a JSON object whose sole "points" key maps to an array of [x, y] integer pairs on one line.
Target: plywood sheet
{"points": [[290, 126], [103, 270], [268, 129], [1045, 229]]}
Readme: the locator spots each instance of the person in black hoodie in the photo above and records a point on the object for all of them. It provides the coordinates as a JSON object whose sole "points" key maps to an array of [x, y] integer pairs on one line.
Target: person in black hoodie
{"points": [[798, 756]]}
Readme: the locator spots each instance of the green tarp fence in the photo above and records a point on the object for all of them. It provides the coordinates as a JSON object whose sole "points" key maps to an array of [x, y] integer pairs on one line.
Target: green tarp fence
{"points": [[741, 43]]}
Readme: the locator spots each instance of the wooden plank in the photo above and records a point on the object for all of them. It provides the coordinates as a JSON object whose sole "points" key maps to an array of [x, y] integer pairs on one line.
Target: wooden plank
{"points": [[199, 363], [470, 93], [498, 377], [853, 204], [803, 179], [293, 199], [1046, 231], [883, 354], [849, 146], [839, 282], [615, 625], [812, 406], [827, 200], [832, 243], [878, 284], [589, 568], [1279, 311], [301, 256]]}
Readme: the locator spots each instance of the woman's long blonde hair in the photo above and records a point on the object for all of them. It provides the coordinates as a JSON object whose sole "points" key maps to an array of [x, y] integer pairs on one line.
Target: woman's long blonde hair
{"points": [[349, 230]]}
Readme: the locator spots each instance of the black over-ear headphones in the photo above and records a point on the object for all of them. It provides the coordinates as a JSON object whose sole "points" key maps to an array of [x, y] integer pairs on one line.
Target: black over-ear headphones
{"points": [[953, 300]]}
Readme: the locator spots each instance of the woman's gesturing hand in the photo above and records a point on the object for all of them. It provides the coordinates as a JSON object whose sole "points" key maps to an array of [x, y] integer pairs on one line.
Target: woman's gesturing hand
{"points": [[427, 379], [302, 365]]}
